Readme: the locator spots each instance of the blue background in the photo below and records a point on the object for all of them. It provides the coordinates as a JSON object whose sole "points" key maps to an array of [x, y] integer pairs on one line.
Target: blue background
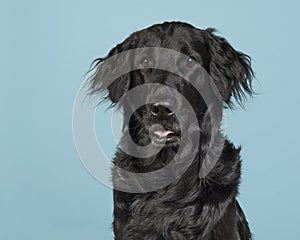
{"points": [[46, 48]]}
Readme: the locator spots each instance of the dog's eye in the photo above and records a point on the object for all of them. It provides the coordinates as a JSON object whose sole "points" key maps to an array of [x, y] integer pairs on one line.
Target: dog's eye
{"points": [[145, 63], [190, 63]]}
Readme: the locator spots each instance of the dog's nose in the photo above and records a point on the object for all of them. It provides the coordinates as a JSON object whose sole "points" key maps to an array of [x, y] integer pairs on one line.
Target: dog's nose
{"points": [[161, 110]]}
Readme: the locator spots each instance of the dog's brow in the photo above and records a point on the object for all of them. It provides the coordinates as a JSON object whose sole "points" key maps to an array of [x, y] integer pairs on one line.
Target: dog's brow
{"points": [[150, 41]]}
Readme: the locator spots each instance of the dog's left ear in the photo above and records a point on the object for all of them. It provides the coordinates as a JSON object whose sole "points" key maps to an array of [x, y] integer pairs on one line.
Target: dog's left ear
{"points": [[230, 69]]}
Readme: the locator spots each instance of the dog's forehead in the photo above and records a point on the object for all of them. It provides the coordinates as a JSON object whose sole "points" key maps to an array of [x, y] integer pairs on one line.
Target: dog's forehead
{"points": [[165, 35]]}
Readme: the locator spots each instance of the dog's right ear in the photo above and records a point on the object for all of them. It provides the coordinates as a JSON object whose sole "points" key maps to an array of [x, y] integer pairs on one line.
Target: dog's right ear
{"points": [[100, 82]]}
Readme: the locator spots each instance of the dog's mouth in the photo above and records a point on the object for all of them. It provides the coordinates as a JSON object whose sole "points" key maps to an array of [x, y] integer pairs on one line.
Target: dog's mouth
{"points": [[165, 136]]}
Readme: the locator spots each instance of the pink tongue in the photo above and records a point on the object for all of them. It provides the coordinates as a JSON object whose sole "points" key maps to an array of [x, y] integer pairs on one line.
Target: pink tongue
{"points": [[162, 133]]}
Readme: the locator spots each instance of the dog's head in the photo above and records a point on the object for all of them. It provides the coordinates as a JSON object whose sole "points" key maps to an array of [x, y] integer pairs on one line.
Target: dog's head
{"points": [[229, 69]]}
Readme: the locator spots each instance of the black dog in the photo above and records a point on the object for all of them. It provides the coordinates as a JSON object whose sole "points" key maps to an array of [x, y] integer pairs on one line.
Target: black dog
{"points": [[190, 207]]}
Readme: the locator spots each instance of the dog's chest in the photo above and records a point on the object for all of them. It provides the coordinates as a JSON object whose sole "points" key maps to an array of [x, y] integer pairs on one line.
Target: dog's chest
{"points": [[164, 220]]}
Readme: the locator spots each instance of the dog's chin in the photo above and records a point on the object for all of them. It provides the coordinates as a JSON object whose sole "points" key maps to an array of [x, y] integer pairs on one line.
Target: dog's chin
{"points": [[167, 138], [166, 142]]}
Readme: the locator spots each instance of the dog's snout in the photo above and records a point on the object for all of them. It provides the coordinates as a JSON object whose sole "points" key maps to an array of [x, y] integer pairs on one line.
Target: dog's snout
{"points": [[161, 110]]}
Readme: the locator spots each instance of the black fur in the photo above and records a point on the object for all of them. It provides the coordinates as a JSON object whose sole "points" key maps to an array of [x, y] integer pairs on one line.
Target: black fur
{"points": [[191, 207]]}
